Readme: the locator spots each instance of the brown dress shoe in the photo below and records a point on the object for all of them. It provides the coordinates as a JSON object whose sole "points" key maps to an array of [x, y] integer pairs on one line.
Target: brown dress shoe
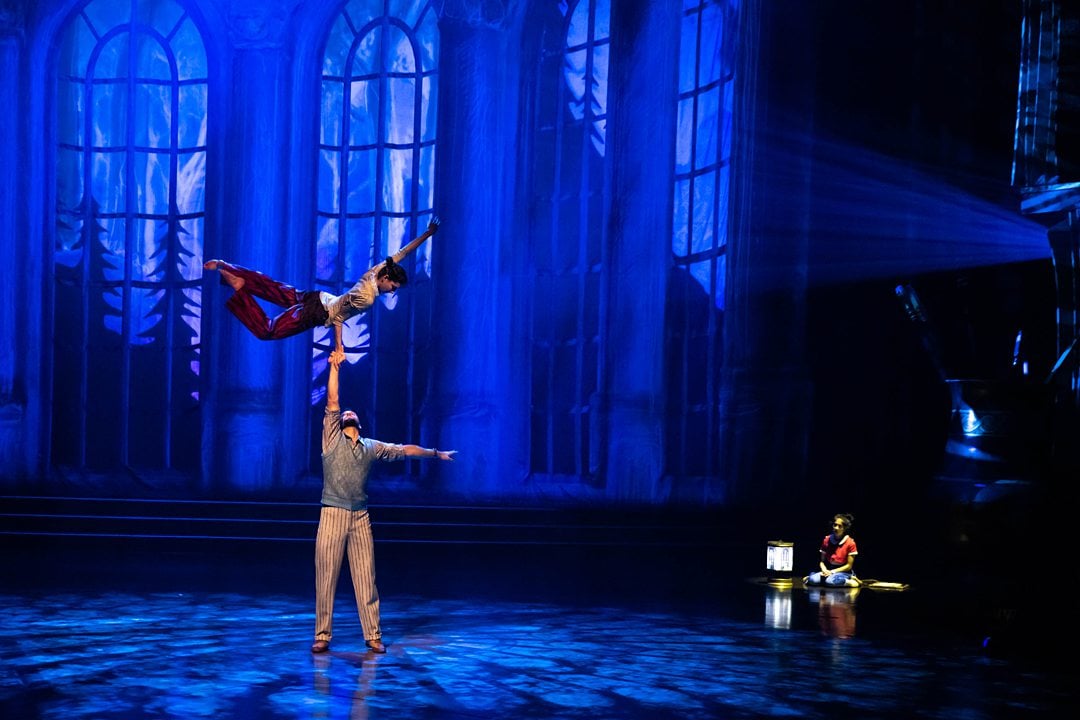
{"points": [[320, 646], [376, 646]]}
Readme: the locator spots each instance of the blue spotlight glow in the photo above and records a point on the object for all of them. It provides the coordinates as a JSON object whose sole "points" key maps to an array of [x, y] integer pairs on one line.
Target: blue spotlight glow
{"points": [[970, 452], [875, 216], [970, 423]]}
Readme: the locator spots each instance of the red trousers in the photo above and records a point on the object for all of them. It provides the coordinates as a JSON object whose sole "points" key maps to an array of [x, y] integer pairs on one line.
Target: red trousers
{"points": [[303, 309]]}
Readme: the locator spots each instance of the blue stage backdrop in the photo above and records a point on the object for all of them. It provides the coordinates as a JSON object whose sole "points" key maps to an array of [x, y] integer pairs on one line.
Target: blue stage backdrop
{"points": [[636, 201]]}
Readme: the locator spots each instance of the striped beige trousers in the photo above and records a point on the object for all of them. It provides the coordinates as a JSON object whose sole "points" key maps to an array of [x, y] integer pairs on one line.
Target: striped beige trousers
{"points": [[340, 529]]}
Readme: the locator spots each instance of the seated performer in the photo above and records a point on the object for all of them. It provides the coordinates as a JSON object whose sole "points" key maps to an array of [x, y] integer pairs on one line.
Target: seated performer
{"points": [[838, 551], [309, 308]]}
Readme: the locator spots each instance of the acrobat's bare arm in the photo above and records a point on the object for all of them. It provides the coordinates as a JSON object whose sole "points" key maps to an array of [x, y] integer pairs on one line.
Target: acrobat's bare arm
{"points": [[333, 401], [338, 347], [416, 242], [431, 453]]}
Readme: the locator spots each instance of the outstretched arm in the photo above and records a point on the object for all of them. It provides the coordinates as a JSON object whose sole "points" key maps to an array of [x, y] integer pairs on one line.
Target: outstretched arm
{"points": [[431, 453], [432, 228], [338, 347], [333, 402]]}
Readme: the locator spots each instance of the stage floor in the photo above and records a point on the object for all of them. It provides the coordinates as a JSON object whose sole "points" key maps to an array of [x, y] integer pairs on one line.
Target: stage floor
{"points": [[111, 632]]}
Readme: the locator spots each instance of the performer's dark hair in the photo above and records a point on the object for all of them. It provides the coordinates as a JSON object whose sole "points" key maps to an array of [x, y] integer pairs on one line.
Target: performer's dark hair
{"points": [[394, 272], [848, 519]]}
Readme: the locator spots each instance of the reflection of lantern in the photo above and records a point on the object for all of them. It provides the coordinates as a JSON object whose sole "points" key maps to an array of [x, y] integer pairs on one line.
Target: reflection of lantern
{"points": [[778, 608], [779, 559]]}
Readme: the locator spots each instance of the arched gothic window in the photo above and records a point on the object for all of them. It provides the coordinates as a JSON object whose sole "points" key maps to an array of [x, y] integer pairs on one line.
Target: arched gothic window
{"points": [[130, 104], [570, 204], [375, 193], [699, 233]]}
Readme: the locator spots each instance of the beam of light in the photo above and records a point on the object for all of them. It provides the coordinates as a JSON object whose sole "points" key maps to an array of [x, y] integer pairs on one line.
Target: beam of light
{"points": [[872, 216]]}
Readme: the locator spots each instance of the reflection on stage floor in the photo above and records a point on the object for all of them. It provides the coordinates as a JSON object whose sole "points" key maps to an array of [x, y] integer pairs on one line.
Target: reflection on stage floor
{"points": [[218, 635]]}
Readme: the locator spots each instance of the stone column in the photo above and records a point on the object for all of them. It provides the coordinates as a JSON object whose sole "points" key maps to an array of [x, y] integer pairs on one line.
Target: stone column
{"points": [[17, 440], [765, 392], [245, 438], [645, 41], [480, 384]]}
